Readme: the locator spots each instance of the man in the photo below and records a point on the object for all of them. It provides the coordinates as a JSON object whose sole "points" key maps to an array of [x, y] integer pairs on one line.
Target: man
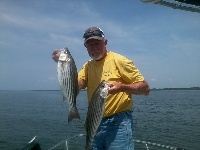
{"points": [[116, 128]]}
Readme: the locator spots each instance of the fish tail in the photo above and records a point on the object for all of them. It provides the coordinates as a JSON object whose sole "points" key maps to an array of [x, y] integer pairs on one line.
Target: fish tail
{"points": [[73, 113], [88, 147]]}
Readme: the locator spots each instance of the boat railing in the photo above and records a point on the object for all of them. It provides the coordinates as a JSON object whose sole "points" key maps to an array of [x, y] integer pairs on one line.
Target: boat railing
{"points": [[66, 142], [34, 145], [137, 141]]}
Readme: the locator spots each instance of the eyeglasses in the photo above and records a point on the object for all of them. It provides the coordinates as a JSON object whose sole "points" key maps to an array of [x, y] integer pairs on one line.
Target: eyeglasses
{"points": [[93, 33]]}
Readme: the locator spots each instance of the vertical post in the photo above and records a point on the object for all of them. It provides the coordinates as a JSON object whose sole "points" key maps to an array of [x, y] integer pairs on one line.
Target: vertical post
{"points": [[66, 145]]}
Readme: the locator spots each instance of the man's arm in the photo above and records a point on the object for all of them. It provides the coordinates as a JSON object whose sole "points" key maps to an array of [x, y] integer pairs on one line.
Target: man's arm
{"points": [[140, 88], [81, 84]]}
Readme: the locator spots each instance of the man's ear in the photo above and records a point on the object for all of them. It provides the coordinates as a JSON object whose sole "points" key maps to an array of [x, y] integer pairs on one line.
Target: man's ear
{"points": [[106, 41]]}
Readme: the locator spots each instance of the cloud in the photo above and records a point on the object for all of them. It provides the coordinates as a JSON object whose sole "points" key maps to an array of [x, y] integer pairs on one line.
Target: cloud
{"points": [[153, 80], [164, 45], [52, 78]]}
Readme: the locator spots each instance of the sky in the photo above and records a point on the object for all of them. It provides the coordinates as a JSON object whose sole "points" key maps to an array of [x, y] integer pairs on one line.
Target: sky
{"points": [[163, 43]]}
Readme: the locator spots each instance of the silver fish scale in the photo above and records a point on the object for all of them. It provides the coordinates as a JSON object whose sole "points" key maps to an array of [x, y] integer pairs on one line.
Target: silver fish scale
{"points": [[67, 78], [67, 85], [95, 113], [93, 121]]}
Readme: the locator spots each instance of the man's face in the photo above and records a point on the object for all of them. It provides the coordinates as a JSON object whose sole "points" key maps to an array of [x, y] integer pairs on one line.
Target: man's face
{"points": [[96, 48]]}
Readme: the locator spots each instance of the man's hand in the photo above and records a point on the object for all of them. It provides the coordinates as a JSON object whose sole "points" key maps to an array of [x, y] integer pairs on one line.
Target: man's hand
{"points": [[114, 88], [55, 55]]}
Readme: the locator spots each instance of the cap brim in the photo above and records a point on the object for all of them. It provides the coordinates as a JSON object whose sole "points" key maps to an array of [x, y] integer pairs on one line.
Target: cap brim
{"points": [[94, 37]]}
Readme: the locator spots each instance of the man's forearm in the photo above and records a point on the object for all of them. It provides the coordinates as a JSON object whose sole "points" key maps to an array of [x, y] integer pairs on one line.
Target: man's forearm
{"points": [[140, 88]]}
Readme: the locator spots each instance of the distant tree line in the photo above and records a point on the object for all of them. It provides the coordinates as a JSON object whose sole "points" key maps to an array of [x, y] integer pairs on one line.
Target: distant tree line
{"points": [[191, 88]]}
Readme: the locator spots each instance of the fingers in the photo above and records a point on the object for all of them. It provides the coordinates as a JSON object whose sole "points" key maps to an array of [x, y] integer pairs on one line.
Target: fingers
{"points": [[55, 55], [110, 85], [112, 88], [55, 51]]}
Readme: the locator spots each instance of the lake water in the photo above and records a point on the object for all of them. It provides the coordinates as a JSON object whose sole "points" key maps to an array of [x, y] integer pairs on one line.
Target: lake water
{"points": [[166, 117]]}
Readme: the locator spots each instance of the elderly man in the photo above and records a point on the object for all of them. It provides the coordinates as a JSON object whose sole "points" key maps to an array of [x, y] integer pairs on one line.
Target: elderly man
{"points": [[115, 131]]}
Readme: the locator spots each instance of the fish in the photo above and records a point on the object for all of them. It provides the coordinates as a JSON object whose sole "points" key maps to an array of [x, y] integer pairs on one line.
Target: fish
{"points": [[68, 81], [95, 112]]}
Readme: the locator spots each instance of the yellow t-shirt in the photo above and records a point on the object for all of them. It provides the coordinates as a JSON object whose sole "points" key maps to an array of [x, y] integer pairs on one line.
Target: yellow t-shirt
{"points": [[113, 68]]}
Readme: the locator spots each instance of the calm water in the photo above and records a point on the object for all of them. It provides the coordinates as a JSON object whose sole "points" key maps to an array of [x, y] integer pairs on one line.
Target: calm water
{"points": [[169, 118]]}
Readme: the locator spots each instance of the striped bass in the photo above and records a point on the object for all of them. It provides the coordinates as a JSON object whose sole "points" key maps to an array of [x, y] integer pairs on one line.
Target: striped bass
{"points": [[95, 112], [68, 81]]}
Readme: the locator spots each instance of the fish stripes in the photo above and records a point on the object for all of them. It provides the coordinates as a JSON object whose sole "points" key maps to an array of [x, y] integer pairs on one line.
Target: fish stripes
{"points": [[95, 113], [67, 79]]}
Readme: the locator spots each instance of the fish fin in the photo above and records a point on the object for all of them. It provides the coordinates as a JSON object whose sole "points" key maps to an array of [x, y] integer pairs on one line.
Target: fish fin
{"points": [[64, 100], [73, 113], [77, 89], [85, 126]]}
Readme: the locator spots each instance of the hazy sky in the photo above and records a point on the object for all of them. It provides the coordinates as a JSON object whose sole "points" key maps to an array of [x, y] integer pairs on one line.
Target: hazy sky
{"points": [[164, 43]]}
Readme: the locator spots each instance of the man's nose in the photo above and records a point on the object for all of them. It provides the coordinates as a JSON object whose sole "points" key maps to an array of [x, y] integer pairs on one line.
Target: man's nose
{"points": [[94, 48]]}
